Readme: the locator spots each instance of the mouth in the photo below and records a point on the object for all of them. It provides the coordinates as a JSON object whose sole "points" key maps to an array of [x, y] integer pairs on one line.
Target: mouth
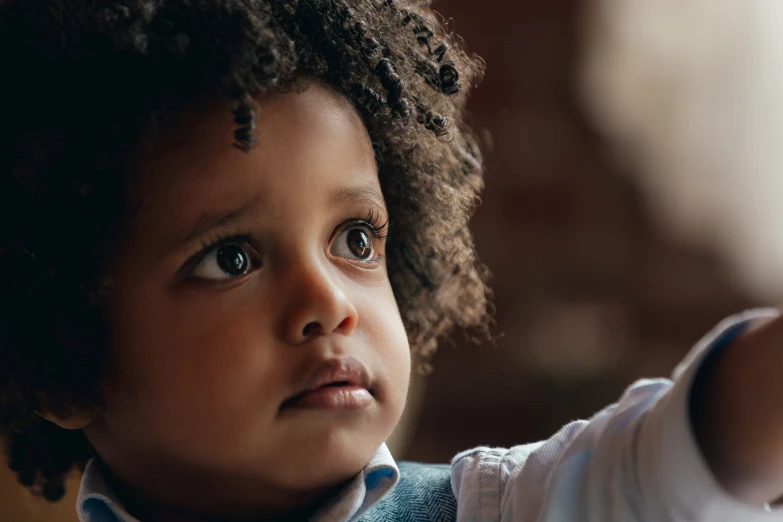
{"points": [[336, 384]]}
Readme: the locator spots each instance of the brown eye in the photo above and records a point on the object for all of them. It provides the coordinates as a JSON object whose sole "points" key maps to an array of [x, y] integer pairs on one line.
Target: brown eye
{"points": [[359, 243], [226, 261], [354, 243]]}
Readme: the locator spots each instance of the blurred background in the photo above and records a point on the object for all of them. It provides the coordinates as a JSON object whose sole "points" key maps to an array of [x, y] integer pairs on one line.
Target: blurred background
{"points": [[631, 203]]}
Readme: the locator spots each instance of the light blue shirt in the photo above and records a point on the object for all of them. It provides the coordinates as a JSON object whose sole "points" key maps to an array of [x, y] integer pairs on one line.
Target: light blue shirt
{"points": [[635, 461]]}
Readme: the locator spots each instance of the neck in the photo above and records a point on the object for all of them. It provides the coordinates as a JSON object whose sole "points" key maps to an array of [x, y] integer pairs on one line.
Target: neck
{"points": [[188, 500]]}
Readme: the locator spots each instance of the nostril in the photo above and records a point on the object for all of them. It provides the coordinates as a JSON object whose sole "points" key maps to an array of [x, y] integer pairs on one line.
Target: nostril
{"points": [[346, 323], [310, 329]]}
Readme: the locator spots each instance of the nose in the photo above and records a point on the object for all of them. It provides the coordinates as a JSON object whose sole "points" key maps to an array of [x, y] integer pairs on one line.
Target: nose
{"points": [[317, 305]]}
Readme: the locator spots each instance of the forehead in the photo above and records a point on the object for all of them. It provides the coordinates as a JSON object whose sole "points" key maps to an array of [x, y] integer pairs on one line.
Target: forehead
{"points": [[312, 138]]}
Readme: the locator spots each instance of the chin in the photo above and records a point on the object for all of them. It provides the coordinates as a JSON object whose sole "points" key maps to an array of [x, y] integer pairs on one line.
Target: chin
{"points": [[330, 460]]}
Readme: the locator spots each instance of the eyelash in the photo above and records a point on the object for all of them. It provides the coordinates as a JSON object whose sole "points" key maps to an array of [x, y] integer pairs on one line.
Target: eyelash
{"points": [[373, 222]]}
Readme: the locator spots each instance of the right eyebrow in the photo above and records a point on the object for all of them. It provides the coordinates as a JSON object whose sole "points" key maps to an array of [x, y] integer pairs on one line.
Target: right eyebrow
{"points": [[211, 220]]}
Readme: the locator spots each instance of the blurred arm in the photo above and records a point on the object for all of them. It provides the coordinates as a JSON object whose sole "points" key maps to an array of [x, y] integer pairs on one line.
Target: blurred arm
{"points": [[641, 459], [739, 424]]}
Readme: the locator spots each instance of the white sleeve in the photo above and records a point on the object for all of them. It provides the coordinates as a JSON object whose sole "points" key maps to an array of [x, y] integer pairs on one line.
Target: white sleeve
{"points": [[635, 461]]}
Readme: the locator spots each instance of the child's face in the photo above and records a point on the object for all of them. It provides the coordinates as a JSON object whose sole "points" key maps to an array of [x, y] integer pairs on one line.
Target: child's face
{"points": [[211, 345]]}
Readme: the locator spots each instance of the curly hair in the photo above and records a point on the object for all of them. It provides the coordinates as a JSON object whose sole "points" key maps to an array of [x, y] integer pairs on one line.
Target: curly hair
{"points": [[84, 82]]}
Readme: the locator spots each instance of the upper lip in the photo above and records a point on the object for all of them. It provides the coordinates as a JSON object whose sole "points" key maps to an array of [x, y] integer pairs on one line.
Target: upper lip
{"points": [[346, 370]]}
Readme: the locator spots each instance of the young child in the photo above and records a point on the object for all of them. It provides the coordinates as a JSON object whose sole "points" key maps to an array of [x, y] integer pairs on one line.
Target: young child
{"points": [[223, 226]]}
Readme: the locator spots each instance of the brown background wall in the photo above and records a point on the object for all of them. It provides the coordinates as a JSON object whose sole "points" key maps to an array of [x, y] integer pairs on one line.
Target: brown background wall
{"points": [[588, 295]]}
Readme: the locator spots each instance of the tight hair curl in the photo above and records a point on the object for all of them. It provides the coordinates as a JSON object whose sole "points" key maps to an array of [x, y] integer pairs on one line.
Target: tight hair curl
{"points": [[84, 82]]}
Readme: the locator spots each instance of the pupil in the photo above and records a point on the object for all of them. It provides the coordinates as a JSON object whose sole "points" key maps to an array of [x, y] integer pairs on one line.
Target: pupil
{"points": [[232, 260], [359, 243]]}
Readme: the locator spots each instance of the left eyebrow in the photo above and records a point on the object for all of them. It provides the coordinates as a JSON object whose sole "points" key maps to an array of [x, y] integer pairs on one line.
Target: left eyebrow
{"points": [[362, 194]]}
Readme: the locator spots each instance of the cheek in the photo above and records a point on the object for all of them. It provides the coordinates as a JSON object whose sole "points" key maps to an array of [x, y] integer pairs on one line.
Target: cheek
{"points": [[192, 358], [388, 342]]}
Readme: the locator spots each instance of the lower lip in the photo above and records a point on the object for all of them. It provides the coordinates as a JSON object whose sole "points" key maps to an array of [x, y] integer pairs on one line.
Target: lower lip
{"points": [[333, 398]]}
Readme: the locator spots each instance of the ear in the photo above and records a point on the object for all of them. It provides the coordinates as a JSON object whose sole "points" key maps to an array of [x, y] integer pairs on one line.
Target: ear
{"points": [[76, 421]]}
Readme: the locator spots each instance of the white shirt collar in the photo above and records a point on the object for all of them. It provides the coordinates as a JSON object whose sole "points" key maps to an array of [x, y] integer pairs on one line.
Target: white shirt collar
{"points": [[96, 501]]}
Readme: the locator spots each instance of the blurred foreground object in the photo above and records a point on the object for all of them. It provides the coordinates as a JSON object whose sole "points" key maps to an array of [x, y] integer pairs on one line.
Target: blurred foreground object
{"points": [[690, 94]]}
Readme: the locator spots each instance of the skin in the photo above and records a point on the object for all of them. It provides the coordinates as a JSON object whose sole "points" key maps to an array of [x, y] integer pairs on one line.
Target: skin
{"points": [[741, 428], [192, 427]]}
